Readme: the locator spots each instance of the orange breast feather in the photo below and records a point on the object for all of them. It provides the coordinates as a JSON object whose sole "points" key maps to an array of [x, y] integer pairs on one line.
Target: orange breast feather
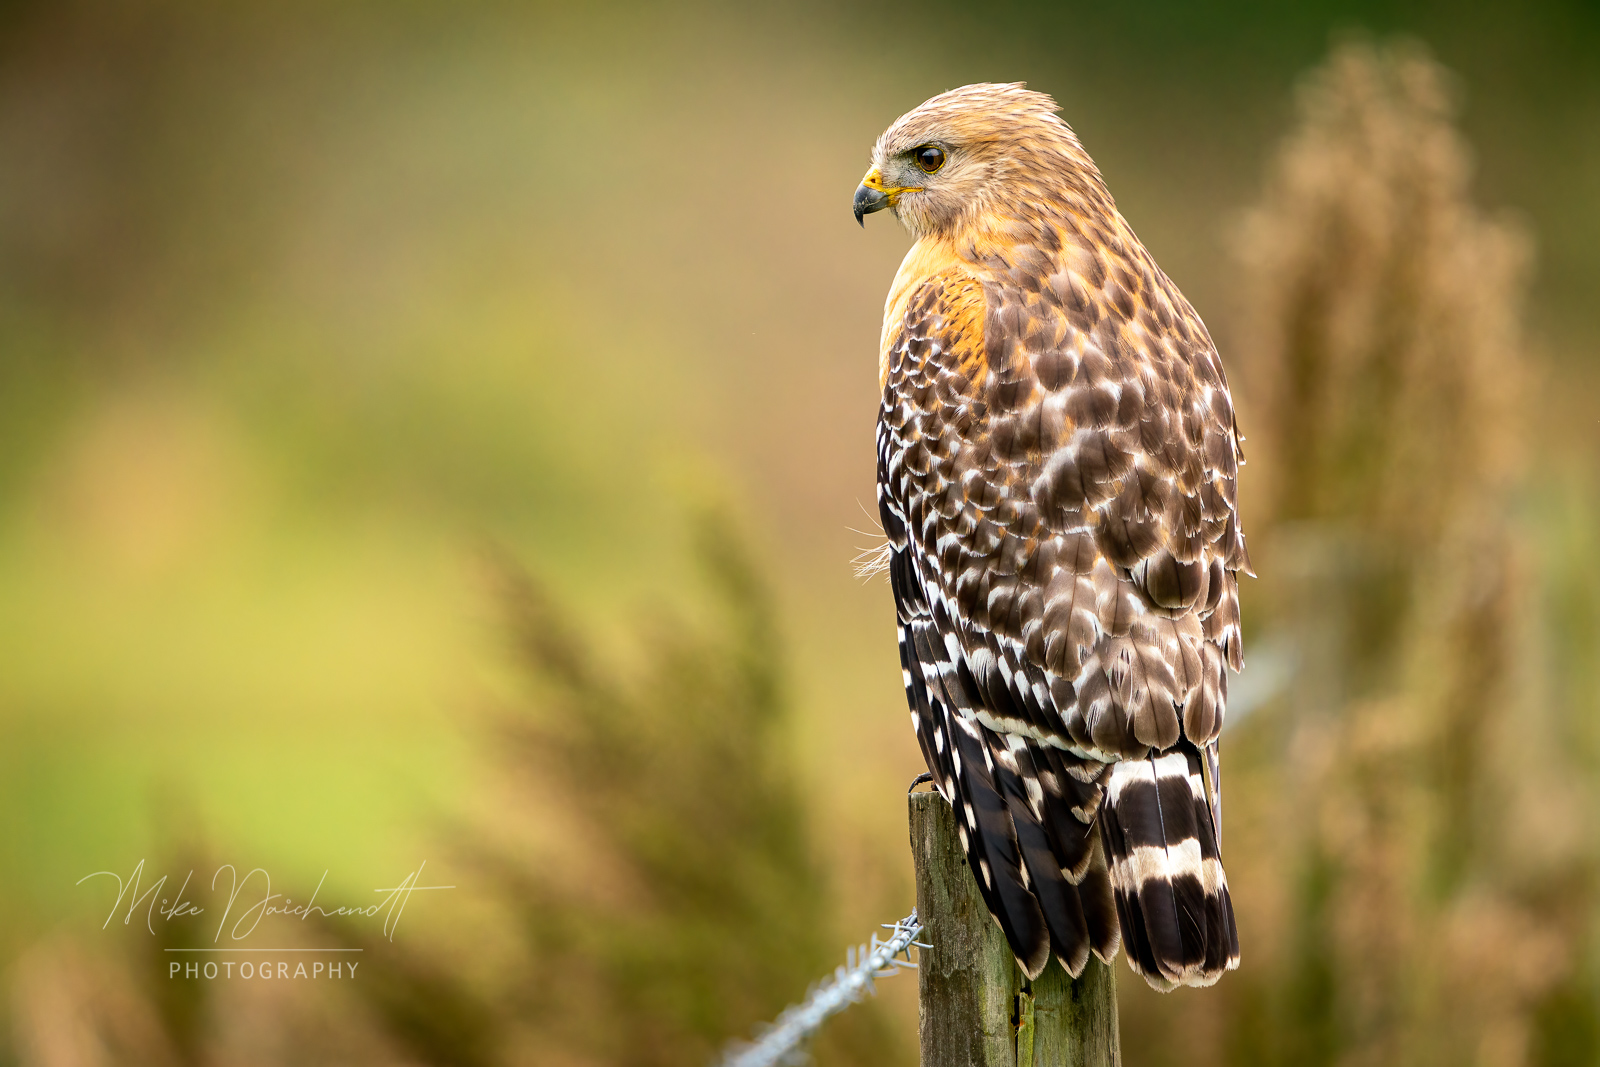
{"points": [[962, 296]]}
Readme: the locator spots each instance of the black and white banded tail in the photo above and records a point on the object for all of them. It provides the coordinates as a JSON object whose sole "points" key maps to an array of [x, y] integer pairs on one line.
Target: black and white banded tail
{"points": [[1161, 823]]}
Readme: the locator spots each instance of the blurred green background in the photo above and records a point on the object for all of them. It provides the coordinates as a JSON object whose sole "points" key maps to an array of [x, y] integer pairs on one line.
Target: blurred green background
{"points": [[308, 310]]}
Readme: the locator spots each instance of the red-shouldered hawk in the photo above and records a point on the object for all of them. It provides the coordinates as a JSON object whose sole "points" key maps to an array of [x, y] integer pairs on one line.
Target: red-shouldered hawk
{"points": [[1057, 456]]}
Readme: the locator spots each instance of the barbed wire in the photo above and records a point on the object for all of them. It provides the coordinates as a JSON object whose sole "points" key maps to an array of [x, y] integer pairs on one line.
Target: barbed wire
{"points": [[783, 1043]]}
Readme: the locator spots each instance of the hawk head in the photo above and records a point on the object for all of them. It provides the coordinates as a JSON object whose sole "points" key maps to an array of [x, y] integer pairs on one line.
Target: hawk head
{"points": [[980, 152]]}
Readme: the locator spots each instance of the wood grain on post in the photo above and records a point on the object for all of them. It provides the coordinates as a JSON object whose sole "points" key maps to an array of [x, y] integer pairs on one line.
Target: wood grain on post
{"points": [[977, 1008]]}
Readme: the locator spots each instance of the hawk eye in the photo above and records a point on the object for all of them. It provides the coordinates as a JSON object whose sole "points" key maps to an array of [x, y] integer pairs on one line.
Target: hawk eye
{"points": [[930, 157]]}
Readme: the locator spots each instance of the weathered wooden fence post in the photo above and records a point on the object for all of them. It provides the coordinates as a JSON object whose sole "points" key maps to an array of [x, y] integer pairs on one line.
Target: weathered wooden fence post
{"points": [[975, 1008]]}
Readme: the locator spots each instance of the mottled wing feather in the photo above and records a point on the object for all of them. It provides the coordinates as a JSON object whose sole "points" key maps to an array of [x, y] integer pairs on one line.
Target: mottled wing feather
{"points": [[1056, 476]]}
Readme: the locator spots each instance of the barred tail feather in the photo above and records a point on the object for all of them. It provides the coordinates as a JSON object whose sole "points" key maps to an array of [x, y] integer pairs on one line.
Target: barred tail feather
{"points": [[1166, 870]]}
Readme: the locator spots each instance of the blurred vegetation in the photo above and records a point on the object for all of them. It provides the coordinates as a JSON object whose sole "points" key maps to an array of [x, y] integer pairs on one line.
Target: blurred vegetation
{"points": [[301, 303], [699, 909], [680, 906]]}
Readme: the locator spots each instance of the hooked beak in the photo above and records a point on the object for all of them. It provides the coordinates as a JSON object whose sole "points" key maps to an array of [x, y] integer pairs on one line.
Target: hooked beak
{"points": [[870, 196]]}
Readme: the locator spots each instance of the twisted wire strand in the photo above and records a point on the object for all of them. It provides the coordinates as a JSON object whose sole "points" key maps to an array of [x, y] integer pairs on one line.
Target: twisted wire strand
{"points": [[782, 1043]]}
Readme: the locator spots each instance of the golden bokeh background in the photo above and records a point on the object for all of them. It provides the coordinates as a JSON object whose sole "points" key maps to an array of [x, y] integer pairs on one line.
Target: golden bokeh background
{"points": [[317, 321]]}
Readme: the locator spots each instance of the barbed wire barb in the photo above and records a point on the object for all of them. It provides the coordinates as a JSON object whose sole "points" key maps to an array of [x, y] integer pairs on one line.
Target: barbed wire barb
{"points": [[783, 1042]]}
